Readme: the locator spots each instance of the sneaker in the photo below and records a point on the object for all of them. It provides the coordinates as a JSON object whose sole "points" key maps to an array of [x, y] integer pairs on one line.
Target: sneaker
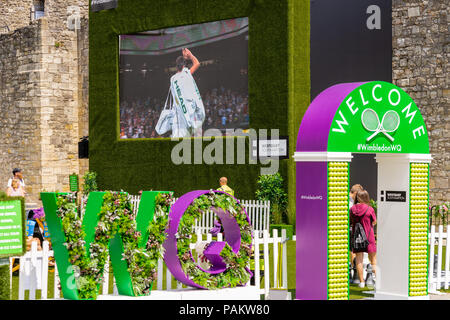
{"points": [[356, 281], [361, 284]]}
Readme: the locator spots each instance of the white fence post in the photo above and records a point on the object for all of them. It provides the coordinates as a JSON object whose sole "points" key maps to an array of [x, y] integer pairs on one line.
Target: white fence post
{"points": [[159, 280], [105, 283], [275, 257], [284, 253], [11, 266], [432, 285], [44, 274], [439, 262], [447, 258], [267, 216], [168, 279], [256, 257], [57, 293], [266, 264]]}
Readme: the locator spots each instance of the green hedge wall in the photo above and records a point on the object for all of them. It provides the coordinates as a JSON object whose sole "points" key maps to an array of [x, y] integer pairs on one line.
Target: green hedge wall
{"points": [[278, 90]]}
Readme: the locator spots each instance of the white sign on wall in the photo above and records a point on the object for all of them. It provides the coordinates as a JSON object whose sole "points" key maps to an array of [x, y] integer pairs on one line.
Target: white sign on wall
{"points": [[271, 148], [97, 5]]}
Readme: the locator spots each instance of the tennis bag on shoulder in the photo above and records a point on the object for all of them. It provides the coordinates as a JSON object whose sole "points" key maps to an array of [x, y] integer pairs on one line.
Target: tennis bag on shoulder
{"points": [[165, 121], [360, 241]]}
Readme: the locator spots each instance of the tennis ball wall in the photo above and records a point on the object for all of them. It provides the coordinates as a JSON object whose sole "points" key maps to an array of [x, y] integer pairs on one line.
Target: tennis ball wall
{"points": [[338, 222], [418, 229]]}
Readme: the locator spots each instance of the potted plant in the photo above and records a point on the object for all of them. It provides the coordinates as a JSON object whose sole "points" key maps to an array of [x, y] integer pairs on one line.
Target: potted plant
{"points": [[90, 182], [270, 187]]}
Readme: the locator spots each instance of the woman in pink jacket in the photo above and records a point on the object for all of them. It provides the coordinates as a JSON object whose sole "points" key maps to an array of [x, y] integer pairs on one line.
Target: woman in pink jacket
{"points": [[363, 213]]}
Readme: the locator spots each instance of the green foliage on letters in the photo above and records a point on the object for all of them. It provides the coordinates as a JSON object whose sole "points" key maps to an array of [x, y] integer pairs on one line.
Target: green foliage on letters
{"points": [[236, 272], [115, 217]]}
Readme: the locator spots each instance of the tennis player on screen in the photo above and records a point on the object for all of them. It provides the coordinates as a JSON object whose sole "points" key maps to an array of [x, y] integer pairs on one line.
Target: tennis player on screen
{"points": [[189, 108]]}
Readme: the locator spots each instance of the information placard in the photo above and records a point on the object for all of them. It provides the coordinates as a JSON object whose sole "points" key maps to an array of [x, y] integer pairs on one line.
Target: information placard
{"points": [[11, 228], [73, 182], [98, 5]]}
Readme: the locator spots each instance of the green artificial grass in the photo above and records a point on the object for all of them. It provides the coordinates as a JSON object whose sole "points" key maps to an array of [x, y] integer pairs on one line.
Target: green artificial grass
{"points": [[278, 80], [4, 283], [357, 293]]}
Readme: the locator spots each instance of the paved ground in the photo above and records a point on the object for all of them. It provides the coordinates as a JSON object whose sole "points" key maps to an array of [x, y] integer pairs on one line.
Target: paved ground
{"points": [[445, 296]]}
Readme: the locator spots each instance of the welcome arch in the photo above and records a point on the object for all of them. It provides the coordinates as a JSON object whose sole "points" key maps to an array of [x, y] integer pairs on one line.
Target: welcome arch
{"points": [[364, 117]]}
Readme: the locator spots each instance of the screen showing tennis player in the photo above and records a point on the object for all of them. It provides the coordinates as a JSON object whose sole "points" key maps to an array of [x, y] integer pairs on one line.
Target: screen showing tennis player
{"points": [[179, 82]]}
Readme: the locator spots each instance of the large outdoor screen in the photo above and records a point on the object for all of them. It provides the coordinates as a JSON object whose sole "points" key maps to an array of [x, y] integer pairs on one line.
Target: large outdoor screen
{"points": [[179, 82]]}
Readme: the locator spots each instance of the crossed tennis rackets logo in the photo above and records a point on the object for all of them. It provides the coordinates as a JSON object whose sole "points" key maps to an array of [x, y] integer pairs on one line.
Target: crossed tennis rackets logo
{"points": [[371, 122]]}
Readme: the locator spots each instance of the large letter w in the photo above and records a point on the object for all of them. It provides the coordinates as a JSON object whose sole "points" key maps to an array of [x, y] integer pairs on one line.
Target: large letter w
{"points": [[81, 246]]}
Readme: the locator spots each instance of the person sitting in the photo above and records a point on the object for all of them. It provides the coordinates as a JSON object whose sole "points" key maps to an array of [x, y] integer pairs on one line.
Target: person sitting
{"points": [[17, 174], [16, 189]]}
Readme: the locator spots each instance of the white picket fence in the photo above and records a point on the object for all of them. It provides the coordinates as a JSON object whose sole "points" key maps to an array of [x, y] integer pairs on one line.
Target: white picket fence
{"points": [[33, 272], [258, 212], [439, 265]]}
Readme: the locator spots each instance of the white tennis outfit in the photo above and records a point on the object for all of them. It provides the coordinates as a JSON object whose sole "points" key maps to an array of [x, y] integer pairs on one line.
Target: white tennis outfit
{"points": [[189, 108]]}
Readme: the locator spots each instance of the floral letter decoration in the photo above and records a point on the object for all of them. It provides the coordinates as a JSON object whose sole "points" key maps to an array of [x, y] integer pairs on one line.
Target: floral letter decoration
{"points": [[229, 260], [81, 245]]}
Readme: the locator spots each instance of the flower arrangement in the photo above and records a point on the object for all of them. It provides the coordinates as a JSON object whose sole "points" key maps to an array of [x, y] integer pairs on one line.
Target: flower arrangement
{"points": [[115, 216], [237, 271], [441, 212]]}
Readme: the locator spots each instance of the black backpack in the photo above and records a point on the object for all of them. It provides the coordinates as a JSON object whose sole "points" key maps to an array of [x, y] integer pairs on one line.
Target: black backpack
{"points": [[359, 240]]}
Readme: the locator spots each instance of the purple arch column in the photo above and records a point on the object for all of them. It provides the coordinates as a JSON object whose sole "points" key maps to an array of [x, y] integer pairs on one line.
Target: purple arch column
{"points": [[311, 193]]}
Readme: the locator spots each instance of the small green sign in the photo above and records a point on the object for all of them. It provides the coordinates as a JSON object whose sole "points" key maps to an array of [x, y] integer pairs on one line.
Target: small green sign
{"points": [[73, 182], [378, 117], [11, 228]]}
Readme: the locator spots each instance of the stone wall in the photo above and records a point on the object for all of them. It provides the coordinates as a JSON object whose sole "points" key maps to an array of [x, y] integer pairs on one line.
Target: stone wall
{"points": [[17, 13], [43, 90], [83, 87], [14, 14], [420, 66], [59, 108], [20, 71]]}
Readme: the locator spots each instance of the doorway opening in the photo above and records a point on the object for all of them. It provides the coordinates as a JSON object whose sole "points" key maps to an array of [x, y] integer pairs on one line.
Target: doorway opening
{"points": [[363, 170]]}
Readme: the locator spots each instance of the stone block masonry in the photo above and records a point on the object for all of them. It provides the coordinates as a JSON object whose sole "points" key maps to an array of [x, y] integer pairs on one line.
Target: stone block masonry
{"points": [[421, 51], [44, 77], [20, 101]]}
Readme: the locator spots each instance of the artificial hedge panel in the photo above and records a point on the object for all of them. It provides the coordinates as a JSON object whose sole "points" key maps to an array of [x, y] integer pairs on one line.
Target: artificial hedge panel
{"points": [[299, 86], [144, 164]]}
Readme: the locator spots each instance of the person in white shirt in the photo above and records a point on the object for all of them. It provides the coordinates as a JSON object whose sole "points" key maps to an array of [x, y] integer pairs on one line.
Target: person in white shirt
{"points": [[15, 190], [189, 108], [17, 174]]}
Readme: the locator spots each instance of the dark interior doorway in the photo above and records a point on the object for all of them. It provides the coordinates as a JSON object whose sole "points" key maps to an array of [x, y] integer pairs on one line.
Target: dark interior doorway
{"points": [[364, 170]]}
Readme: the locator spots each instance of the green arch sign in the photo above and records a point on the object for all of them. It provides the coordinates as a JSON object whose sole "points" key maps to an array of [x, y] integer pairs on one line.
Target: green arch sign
{"points": [[378, 117]]}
